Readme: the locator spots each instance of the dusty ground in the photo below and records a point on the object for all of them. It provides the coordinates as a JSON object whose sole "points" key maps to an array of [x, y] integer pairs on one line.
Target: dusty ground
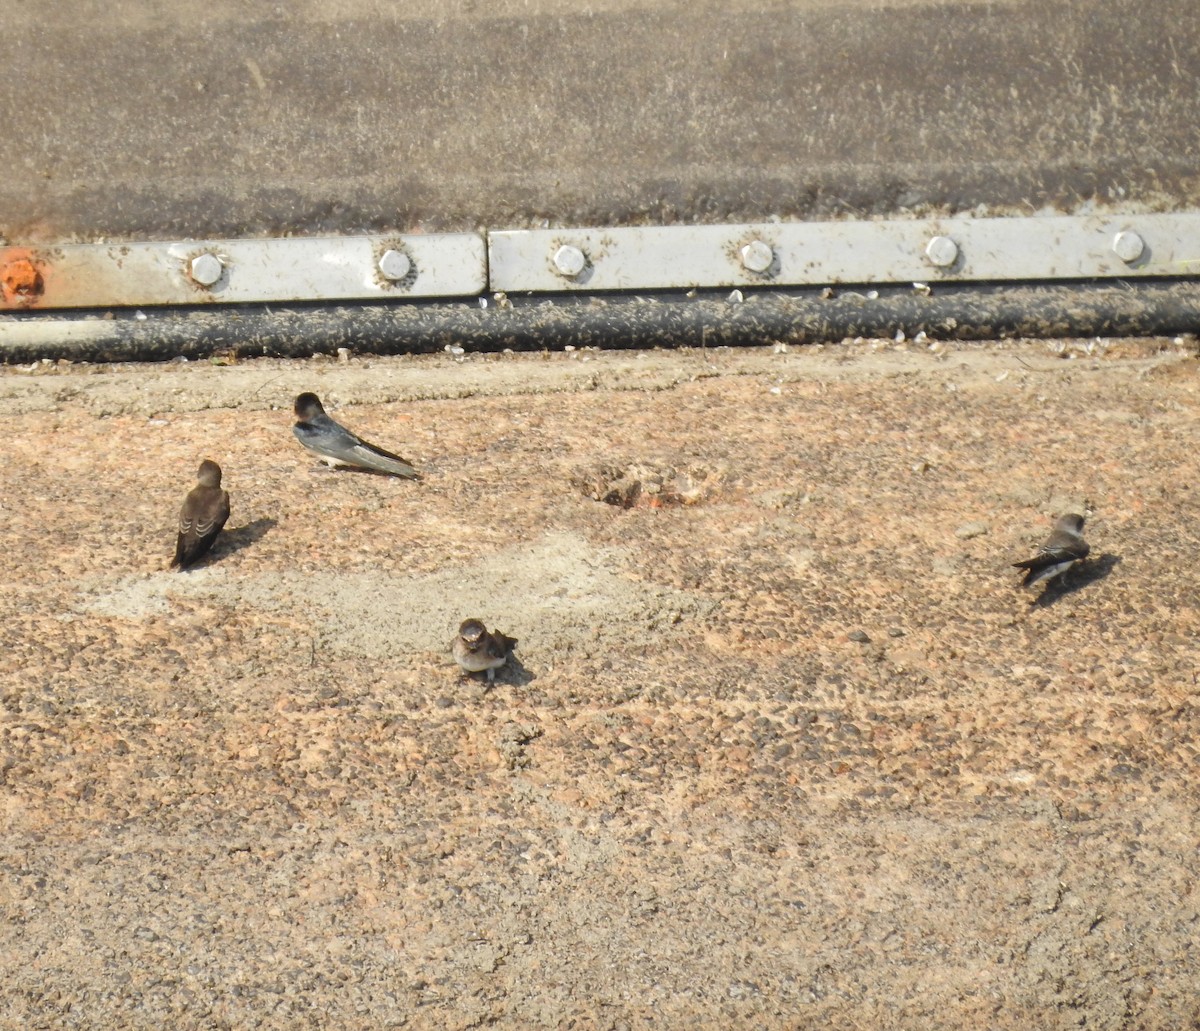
{"points": [[797, 754]]}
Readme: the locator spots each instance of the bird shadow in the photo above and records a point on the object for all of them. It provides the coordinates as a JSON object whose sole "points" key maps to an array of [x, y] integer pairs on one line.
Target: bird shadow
{"points": [[324, 470], [1075, 579], [515, 673], [232, 541]]}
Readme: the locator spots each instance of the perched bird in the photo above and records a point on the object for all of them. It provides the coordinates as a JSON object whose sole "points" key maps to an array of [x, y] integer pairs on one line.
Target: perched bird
{"points": [[1062, 549], [335, 445], [204, 512], [476, 650]]}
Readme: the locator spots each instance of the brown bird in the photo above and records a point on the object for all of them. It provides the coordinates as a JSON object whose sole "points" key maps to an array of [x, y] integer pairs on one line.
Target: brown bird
{"points": [[1059, 552], [475, 650], [203, 514], [335, 445]]}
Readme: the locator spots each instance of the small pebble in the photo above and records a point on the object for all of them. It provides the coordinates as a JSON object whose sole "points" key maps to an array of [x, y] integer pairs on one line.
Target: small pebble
{"points": [[859, 636], [969, 530]]}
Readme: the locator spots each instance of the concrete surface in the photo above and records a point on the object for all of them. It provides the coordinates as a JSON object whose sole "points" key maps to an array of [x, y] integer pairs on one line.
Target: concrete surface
{"points": [[785, 746], [222, 119]]}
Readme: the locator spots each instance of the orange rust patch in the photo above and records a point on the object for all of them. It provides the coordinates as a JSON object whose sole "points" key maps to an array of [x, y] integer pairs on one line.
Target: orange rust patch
{"points": [[20, 281]]}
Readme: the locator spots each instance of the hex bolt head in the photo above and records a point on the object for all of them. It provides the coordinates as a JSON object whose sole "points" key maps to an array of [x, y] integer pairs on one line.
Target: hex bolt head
{"points": [[394, 265], [757, 256], [1128, 246], [569, 261], [942, 251], [206, 269]]}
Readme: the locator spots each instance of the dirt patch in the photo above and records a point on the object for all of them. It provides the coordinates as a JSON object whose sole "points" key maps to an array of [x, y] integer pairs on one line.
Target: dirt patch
{"points": [[800, 754], [654, 485], [572, 595]]}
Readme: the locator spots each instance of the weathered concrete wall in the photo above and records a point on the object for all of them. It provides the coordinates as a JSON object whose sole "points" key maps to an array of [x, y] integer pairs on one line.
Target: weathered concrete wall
{"points": [[365, 116]]}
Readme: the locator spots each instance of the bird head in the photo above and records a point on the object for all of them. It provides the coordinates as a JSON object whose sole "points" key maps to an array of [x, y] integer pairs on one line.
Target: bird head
{"points": [[472, 631], [209, 474], [308, 405], [1072, 522]]}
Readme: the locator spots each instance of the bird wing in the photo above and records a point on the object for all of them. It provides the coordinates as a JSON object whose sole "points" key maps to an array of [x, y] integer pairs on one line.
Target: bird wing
{"points": [[376, 458], [1060, 551], [1065, 546], [202, 517], [332, 440], [499, 646], [1059, 547]]}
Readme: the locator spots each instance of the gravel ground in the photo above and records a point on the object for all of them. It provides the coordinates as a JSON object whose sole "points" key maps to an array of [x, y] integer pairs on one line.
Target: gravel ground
{"points": [[785, 746]]}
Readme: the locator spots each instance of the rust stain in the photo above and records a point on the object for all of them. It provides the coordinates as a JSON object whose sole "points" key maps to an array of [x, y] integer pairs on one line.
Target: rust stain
{"points": [[21, 282]]}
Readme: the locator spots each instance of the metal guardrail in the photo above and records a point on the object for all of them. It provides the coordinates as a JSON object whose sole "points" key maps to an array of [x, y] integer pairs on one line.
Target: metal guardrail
{"points": [[629, 259], [194, 272], [821, 253]]}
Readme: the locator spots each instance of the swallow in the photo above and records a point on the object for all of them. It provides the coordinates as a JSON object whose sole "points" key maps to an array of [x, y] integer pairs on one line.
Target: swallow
{"points": [[475, 650], [204, 512], [1062, 549], [335, 445]]}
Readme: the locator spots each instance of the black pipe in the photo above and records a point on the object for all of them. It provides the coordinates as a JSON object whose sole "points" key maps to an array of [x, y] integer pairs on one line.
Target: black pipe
{"points": [[974, 312]]}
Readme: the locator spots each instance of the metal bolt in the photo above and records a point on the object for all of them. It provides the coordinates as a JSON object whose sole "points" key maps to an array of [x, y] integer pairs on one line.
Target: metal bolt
{"points": [[757, 256], [1128, 246], [206, 269], [569, 261], [942, 251], [395, 265]]}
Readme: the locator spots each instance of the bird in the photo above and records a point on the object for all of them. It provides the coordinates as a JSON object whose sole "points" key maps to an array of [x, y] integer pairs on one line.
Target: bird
{"points": [[204, 512], [475, 650], [1061, 550], [335, 445]]}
